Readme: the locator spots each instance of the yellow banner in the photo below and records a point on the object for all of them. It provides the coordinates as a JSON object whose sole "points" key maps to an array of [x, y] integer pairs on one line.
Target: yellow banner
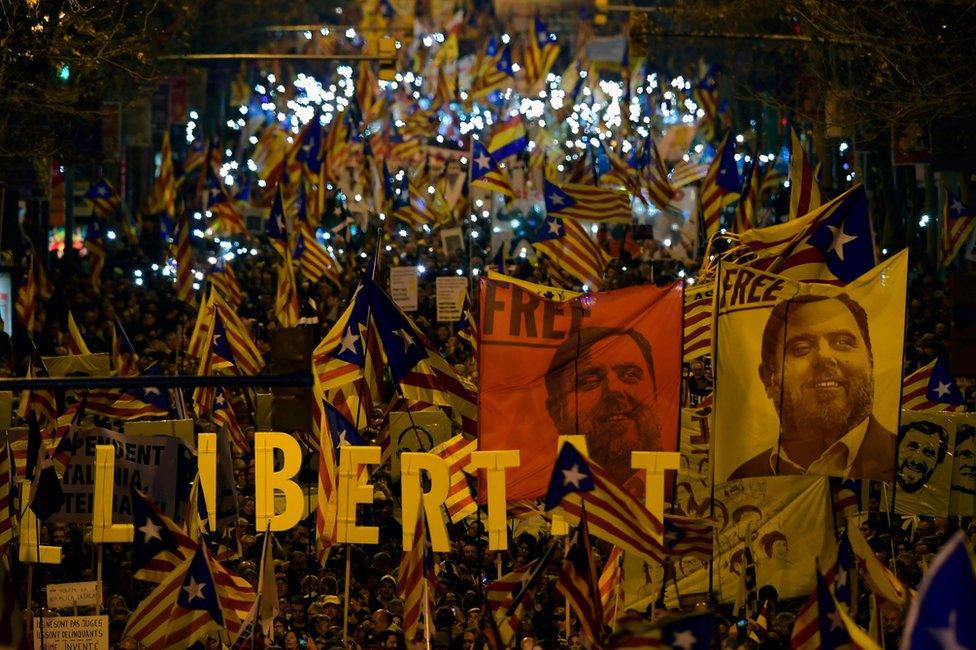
{"points": [[808, 376]]}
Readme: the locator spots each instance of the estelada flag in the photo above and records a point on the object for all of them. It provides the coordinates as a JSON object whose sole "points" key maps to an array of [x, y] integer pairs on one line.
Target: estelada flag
{"points": [[606, 365], [808, 375]]}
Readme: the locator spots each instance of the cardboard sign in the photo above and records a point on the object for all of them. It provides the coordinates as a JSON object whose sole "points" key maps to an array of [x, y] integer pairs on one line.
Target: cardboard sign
{"points": [[74, 632], [72, 594], [403, 287], [151, 463], [450, 298]]}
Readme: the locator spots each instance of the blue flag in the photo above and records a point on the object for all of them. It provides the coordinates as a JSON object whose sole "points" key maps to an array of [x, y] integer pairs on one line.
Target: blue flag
{"points": [[942, 616], [571, 474]]}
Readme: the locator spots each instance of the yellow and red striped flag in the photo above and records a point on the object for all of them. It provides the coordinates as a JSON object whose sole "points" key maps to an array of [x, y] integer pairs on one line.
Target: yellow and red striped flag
{"points": [[932, 388], [611, 586], [27, 294], [957, 223], [655, 175], [720, 187], [104, 199], [413, 584], [540, 55], [74, 342], [457, 452], [6, 500], [580, 201], [687, 172], [578, 583], [833, 244], [570, 247], [745, 212], [197, 598], [485, 172], [286, 294], [804, 191], [163, 197], [313, 258], [697, 339], [613, 513], [223, 279], [184, 261]]}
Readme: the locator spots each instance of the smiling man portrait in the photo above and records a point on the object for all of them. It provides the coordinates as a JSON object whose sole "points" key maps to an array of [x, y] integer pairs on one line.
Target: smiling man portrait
{"points": [[817, 369]]}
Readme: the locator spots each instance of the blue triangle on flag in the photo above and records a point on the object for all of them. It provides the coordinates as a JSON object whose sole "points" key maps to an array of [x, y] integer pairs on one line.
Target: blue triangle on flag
{"points": [[199, 592], [570, 474], [342, 431], [845, 238], [556, 198], [942, 388]]}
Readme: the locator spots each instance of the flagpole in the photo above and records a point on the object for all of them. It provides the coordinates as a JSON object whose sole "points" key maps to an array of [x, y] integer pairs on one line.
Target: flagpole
{"points": [[345, 600], [427, 617]]}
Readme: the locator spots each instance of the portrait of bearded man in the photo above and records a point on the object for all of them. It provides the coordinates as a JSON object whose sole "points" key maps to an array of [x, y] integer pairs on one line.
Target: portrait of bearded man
{"points": [[817, 369]]}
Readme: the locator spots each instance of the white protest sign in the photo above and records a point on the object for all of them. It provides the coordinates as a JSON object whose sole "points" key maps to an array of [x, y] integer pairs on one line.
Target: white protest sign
{"points": [[72, 594], [72, 633], [450, 298], [154, 464], [403, 287]]}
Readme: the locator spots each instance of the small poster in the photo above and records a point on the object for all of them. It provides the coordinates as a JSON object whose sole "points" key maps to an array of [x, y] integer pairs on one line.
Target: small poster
{"points": [[451, 291], [76, 632], [72, 594], [403, 287]]}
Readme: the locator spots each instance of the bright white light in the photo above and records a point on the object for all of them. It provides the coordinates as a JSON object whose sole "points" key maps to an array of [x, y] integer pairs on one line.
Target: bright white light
{"points": [[667, 243], [459, 271], [110, 234], [138, 282], [420, 269], [924, 221]]}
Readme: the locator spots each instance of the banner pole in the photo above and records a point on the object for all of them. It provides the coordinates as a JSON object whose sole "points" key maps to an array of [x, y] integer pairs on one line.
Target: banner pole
{"points": [[345, 601], [568, 618], [98, 573]]}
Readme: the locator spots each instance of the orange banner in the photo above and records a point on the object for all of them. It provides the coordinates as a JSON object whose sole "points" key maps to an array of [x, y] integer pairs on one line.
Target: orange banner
{"points": [[605, 365]]}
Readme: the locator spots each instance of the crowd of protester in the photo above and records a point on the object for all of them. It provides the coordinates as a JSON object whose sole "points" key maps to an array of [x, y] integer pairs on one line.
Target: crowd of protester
{"points": [[312, 597]]}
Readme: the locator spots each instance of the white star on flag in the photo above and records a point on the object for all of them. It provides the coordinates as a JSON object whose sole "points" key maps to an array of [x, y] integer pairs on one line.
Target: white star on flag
{"points": [[684, 640], [556, 199], [554, 228], [573, 475], [947, 636], [151, 391], [150, 531], [481, 162], [349, 341], [943, 389], [835, 620], [343, 442], [840, 578], [194, 589], [840, 239], [956, 207]]}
